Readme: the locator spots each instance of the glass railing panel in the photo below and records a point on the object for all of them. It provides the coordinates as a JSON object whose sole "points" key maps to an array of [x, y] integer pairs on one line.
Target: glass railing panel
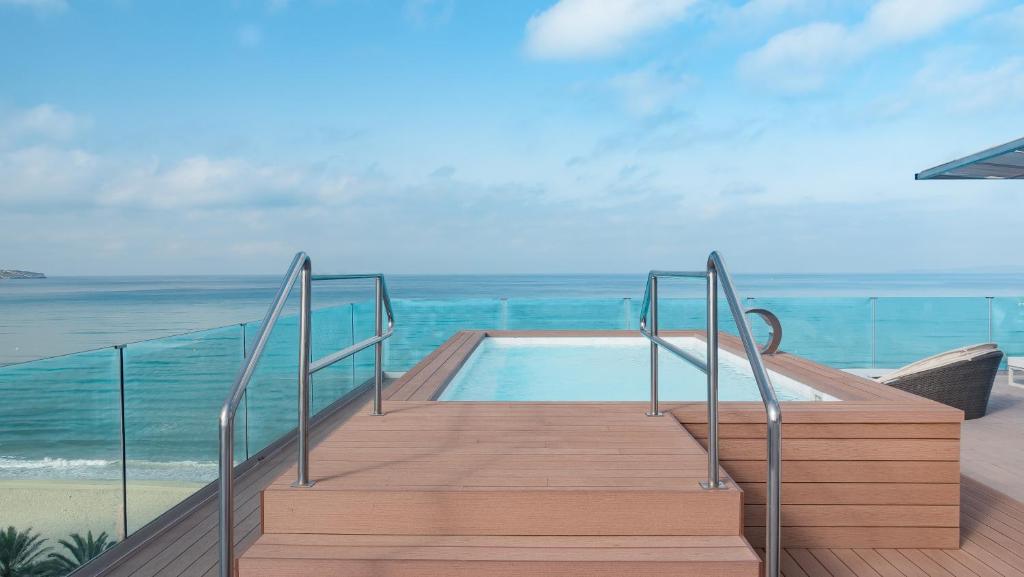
{"points": [[1008, 325], [272, 394], [581, 314], [60, 447], [332, 331], [423, 325], [174, 390], [911, 328], [691, 314], [832, 331], [364, 327]]}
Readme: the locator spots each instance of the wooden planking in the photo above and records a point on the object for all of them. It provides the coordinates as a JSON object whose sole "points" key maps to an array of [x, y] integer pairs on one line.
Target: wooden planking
{"points": [[856, 493], [834, 431], [499, 476], [987, 547], [992, 452], [860, 537], [844, 449], [832, 516], [855, 473], [516, 511], [425, 379], [876, 435], [823, 413], [497, 497], [473, 556], [887, 472], [432, 388]]}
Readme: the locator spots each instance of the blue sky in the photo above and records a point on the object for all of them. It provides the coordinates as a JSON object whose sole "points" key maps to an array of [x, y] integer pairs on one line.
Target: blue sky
{"points": [[456, 136]]}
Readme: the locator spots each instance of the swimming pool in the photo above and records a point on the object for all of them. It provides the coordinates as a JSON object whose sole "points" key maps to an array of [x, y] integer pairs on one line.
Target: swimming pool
{"points": [[603, 369]]}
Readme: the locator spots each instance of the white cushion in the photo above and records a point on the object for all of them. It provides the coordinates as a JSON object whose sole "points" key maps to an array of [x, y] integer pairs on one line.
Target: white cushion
{"points": [[940, 360]]}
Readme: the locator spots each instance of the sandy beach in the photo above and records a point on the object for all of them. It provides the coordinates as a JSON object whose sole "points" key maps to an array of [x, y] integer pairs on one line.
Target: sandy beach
{"points": [[56, 509]]}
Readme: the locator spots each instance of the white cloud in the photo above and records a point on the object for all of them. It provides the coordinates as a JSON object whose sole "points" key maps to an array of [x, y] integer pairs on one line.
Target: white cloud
{"points": [[38, 5], [44, 121], [651, 90], [969, 89], [41, 175], [41, 167], [277, 5], [798, 59], [801, 59], [201, 182], [590, 28]]}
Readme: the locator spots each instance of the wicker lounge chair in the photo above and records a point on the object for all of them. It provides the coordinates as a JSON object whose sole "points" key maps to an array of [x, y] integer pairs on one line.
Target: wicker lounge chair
{"points": [[960, 378]]}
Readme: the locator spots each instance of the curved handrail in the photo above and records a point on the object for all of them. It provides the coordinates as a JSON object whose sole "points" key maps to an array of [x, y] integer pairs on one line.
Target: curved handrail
{"points": [[774, 335], [764, 383], [301, 267], [716, 274]]}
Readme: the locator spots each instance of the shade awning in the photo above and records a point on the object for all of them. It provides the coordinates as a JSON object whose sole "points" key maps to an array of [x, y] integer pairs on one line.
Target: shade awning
{"points": [[1001, 162]]}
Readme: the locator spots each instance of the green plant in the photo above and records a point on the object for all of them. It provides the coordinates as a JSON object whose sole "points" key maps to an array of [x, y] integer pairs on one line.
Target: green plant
{"points": [[20, 552], [81, 550]]}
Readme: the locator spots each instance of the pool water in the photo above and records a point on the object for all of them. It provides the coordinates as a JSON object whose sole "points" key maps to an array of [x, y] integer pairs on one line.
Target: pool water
{"points": [[604, 369]]}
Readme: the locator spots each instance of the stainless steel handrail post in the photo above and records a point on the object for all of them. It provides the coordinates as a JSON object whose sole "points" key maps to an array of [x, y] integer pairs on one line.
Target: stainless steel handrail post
{"points": [[305, 354], [300, 269], [716, 275], [226, 480], [654, 412], [773, 417], [378, 349], [713, 482], [226, 488]]}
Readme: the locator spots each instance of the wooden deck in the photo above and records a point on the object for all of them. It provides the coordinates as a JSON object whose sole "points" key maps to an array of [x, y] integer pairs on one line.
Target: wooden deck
{"points": [[991, 545], [991, 523], [992, 449], [468, 488]]}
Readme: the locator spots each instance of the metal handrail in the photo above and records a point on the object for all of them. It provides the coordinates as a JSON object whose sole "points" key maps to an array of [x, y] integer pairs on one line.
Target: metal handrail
{"points": [[716, 274], [301, 268]]}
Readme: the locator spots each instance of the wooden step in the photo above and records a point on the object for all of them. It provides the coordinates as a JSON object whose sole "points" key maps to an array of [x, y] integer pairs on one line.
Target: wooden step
{"points": [[517, 511], [504, 489], [318, 555]]}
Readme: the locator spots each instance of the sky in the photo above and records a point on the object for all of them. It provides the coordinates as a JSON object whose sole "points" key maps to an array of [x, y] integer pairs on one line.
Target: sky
{"points": [[457, 136]]}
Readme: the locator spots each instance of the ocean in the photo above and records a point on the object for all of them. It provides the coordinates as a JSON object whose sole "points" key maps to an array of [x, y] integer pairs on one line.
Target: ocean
{"points": [[62, 315]]}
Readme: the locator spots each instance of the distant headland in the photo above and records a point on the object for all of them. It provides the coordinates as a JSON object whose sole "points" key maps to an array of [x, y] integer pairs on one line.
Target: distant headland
{"points": [[20, 274]]}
